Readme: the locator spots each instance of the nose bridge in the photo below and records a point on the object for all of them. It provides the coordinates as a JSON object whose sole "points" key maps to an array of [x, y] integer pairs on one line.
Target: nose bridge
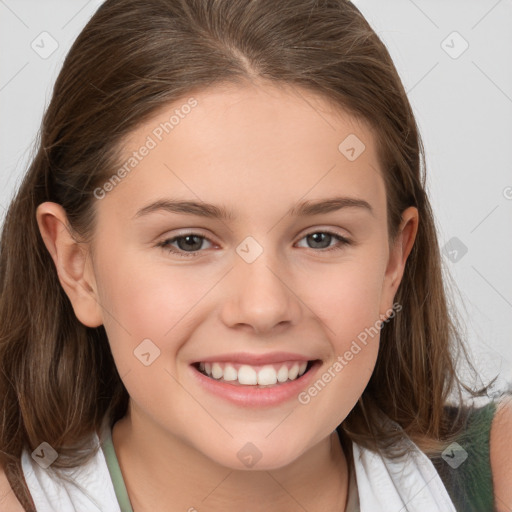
{"points": [[259, 294]]}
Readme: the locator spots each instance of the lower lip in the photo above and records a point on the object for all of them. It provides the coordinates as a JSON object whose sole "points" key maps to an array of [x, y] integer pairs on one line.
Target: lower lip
{"points": [[253, 396]]}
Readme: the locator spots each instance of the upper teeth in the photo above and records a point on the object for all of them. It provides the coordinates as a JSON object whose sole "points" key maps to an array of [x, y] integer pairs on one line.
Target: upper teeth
{"points": [[251, 375]]}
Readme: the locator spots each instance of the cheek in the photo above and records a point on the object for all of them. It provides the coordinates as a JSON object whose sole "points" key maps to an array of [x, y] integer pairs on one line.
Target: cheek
{"points": [[346, 297], [348, 307], [142, 301], [148, 298]]}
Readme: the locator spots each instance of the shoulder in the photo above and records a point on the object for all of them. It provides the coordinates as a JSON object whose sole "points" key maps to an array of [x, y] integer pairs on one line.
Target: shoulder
{"points": [[501, 455], [8, 500]]}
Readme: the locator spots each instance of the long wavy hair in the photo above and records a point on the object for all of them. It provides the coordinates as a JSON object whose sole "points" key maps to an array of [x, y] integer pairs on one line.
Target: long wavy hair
{"points": [[58, 380]]}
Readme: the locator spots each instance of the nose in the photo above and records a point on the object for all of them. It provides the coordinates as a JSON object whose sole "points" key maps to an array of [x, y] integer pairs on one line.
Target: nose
{"points": [[260, 297]]}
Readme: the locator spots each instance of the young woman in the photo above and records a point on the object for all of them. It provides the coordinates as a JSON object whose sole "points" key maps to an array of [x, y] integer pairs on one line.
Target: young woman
{"points": [[221, 281]]}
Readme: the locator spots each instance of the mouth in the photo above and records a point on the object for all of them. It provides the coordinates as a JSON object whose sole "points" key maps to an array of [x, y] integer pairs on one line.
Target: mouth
{"points": [[255, 376]]}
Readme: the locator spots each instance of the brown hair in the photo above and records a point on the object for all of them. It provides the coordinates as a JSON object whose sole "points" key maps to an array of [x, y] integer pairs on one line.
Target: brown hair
{"points": [[58, 380]]}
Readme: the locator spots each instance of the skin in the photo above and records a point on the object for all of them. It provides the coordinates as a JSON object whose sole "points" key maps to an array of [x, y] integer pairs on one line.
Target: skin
{"points": [[258, 150]]}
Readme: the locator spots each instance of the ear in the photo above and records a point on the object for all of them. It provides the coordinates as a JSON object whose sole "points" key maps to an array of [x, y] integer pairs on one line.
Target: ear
{"points": [[397, 258], [73, 266]]}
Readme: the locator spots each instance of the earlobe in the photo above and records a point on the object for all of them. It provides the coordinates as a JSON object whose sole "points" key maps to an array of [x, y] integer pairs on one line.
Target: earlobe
{"points": [[70, 258]]}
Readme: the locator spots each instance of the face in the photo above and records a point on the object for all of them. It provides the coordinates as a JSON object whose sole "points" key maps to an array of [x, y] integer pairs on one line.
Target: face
{"points": [[274, 285]]}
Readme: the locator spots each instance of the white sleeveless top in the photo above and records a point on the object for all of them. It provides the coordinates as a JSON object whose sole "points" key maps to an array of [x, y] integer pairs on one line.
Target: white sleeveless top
{"points": [[378, 485], [92, 490]]}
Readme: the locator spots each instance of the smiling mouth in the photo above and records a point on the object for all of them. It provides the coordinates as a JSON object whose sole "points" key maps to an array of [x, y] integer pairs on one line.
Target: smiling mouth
{"points": [[258, 376]]}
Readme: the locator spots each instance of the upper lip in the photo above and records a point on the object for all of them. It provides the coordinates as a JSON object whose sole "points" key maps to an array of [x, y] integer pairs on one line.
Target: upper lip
{"points": [[255, 359]]}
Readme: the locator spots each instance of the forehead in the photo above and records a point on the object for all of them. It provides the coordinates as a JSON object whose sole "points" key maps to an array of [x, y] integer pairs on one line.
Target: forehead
{"points": [[250, 145]]}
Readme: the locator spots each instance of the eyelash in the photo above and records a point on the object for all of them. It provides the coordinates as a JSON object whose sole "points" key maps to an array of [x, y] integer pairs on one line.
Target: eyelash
{"points": [[165, 244]]}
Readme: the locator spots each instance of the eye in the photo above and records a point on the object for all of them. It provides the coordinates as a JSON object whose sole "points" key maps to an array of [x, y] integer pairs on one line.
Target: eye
{"points": [[319, 238], [189, 244], [186, 243]]}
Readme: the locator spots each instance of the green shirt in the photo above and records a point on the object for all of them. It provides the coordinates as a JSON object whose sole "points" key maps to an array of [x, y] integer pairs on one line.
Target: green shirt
{"points": [[470, 484]]}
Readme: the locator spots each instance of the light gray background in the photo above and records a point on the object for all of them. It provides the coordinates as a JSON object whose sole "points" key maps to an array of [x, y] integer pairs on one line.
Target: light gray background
{"points": [[462, 101]]}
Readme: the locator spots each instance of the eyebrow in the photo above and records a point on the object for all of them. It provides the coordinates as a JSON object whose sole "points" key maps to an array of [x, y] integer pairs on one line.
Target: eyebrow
{"points": [[301, 209]]}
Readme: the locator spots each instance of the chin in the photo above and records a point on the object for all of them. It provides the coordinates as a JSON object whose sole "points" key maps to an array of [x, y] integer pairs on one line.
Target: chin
{"points": [[257, 456]]}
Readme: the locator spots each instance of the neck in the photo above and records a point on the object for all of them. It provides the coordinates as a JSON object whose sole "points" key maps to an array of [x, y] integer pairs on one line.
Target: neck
{"points": [[159, 470]]}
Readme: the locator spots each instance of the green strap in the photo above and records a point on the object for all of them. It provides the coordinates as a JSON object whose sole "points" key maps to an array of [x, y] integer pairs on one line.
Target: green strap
{"points": [[115, 473]]}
